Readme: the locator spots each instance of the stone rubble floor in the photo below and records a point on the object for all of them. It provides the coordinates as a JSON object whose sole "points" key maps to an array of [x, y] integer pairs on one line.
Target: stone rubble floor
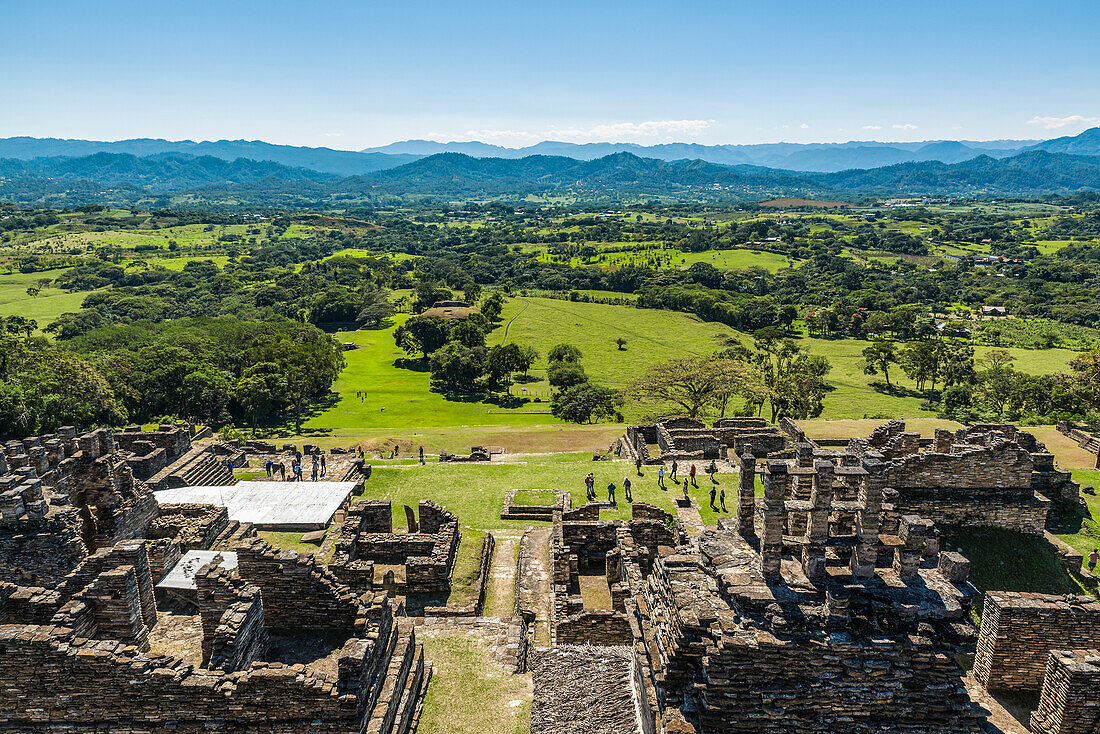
{"points": [[583, 690]]}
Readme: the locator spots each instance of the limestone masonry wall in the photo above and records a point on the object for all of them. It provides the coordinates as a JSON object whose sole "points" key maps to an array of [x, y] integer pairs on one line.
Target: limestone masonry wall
{"points": [[1068, 703], [1019, 629]]}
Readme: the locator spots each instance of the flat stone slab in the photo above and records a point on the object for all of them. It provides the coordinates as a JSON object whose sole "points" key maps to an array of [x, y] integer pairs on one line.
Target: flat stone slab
{"points": [[288, 506], [182, 575]]}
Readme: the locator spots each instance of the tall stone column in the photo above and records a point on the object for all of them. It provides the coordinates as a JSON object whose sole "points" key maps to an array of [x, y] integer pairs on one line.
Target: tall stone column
{"points": [[913, 532], [865, 554], [817, 525], [746, 496], [775, 516]]}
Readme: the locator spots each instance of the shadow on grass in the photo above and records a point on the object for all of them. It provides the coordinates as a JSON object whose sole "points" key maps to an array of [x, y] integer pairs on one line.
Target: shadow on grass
{"points": [[414, 365], [895, 390], [1003, 560]]}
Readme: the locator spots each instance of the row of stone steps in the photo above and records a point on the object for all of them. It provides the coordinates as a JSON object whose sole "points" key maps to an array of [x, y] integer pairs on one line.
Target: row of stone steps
{"points": [[234, 534], [401, 695]]}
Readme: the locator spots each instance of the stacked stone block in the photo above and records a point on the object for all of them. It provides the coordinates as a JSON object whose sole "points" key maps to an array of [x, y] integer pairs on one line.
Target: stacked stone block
{"points": [[1019, 629], [1068, 702]]}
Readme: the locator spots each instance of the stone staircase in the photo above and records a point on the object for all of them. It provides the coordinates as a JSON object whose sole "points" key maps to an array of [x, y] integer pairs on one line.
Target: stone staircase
{"points": [[234, 534], [199, 467], [400, 697]]}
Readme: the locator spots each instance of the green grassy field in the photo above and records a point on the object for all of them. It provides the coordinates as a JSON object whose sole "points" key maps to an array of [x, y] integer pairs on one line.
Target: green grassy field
{"points": [[396, 394], [45, 307], [651, 336], [475, 492], [855, 397], [674, 258], [396, 400]]}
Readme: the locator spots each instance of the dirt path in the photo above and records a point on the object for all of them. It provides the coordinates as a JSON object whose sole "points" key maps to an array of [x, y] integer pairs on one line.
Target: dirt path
{"points": [[504, 337], [540, 571], [502, 574], [693, 521]]}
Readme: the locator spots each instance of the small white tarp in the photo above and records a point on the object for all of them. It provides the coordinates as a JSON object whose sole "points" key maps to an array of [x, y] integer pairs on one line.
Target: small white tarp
{"points": [[182, 575], [270, 505]]}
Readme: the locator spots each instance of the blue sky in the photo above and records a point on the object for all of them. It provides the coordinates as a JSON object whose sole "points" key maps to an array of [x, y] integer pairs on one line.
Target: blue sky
{"points": [[356, 74]]}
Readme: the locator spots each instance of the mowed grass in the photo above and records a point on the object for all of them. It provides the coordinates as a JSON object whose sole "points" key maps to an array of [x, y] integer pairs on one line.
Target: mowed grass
{"points": [[652, 336], [854, 395], [394, 392], [45, 307], [668, 257], [394, 400], [475, 492], [470, 693]]}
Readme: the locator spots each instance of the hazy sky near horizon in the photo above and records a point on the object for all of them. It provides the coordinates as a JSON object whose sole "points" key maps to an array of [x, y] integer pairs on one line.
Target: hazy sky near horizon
{"points": [[350, 75]]}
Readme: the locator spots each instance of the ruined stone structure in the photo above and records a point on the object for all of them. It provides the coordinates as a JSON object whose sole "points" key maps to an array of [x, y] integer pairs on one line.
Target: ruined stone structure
{"points": [[1068, 702], [1019, 630], [581, 544], [686, 439], [822, 608], [986, 475], [82, 542], [477, 453], [426, 553], [88, 668]]}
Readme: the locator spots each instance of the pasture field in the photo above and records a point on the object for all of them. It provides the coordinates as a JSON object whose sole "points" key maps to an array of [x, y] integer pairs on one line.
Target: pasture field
{"points": [[667, 257], [395, 402], [652, 336], [46, 306]]}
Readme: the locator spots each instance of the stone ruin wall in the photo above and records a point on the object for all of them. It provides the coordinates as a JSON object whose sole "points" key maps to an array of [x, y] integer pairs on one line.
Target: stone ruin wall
{"points": [[1019, 629], [91, 686], [367, 537], [298, 593], [193, 526], [86, 671], [1067, 704]]}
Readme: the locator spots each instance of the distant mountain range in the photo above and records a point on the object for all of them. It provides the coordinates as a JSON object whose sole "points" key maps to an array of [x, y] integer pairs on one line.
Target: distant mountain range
{"points": [[823, 157], [325, 160], [1060, 166]]}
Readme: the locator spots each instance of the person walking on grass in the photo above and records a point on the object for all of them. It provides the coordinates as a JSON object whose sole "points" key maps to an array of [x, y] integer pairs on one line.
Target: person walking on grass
{"points": [[590, 487], [713, 493], [675, 466], [687, 497], [723, 496], [611, 493], [661, 476], [421, 454], [1094, 557], [713, 471], [691, 473], [638, 464], [626, 489]]}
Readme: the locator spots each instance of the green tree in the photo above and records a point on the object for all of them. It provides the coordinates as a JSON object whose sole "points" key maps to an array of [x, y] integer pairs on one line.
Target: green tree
{"points": [[621, 344], [564, 353], [492, 306], [424, 334], [565, 374], [878, 357], [585, 402], [692, 383], [456, 368]]}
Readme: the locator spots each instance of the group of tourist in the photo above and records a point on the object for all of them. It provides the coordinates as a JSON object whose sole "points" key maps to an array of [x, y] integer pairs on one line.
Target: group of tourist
{"points": [[717, 493], [319, 469]]}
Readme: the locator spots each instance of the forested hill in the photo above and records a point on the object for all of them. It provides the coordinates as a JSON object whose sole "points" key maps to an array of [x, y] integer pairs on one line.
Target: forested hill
{"points": [[166, 172], [210, 180]]}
